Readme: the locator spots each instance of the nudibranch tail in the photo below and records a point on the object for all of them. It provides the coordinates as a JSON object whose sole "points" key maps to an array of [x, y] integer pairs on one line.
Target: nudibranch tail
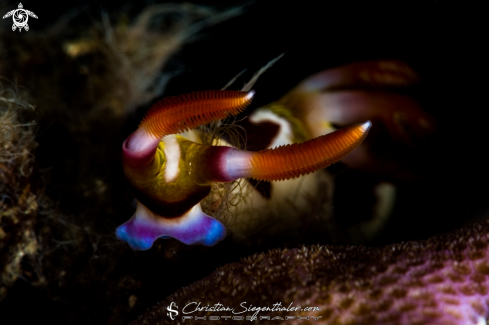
{"points": [[378, 73], [295, 160], [184, 112]]}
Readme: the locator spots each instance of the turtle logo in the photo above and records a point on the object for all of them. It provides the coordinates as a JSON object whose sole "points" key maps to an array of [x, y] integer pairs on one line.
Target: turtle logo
{"points": [[20, 17]]}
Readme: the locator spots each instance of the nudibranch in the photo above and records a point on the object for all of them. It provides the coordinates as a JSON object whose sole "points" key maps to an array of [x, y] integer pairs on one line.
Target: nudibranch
{"points": [[169, 174]]}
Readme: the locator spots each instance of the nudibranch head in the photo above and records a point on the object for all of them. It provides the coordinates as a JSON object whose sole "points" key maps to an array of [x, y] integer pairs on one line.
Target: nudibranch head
{"points": [[169, 175]]}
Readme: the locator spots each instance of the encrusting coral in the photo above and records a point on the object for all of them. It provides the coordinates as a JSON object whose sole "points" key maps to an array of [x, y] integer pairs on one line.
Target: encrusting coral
{"points": [[442, 280]]}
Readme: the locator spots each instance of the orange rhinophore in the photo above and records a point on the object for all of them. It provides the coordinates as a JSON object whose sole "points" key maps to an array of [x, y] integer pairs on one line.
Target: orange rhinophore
{"points": [[181, 113], [294, 160]]}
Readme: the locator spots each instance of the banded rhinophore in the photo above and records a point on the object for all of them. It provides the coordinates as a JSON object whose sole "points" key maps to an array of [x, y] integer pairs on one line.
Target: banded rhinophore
{"points": [[170, 175]]}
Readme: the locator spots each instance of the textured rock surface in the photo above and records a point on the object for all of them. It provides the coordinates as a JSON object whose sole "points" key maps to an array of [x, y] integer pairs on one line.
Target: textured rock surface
{"points": [[19, 199], [443, 280]]}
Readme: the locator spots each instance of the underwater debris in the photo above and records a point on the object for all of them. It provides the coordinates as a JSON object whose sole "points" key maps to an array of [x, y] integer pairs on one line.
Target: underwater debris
{"points": [[18, 196], [116, 65]]}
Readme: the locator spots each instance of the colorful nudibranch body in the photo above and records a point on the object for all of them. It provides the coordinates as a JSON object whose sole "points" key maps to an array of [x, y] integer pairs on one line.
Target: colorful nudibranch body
{"points": [[170, 175], [350, 203]]}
